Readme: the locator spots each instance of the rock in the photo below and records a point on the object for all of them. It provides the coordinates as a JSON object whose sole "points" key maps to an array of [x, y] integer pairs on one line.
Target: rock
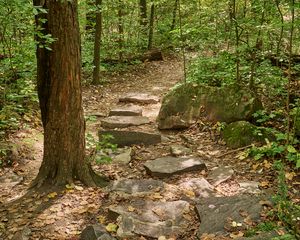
{"points": [[10, 179], [178, 150], [151, 219], [126, 111], [249, 187], [123, 156], [123, 121], [137, 186], [199, 186], [139, 98], [168, 166], [128, 138], [214, 212], [189, 101], [95, 232], [23, 234], [241, 133], [220, 174]]}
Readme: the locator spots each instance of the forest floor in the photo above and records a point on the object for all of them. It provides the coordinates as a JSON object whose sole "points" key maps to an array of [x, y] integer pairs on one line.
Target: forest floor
{"points": [[64, 213]]}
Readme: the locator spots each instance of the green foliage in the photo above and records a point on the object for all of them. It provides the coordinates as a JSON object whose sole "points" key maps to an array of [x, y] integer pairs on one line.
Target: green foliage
{"points": [[100, 151], [285, 210], [218, 70]]}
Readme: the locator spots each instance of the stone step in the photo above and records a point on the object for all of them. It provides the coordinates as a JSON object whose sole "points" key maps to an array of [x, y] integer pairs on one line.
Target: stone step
{"points": [[151, 218], [126, 138], [123, 121], [141, 98], [168, 166], [214, 212], [126, 111]]}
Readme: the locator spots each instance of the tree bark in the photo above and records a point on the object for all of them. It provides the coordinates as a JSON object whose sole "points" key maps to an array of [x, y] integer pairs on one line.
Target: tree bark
{"points": [[97, 43], [143, 13], [59, 91], [151, 25]]}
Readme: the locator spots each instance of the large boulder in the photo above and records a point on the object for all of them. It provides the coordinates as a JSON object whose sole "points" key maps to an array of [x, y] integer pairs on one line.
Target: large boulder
{"points": [[242, 133], [189, 101]]}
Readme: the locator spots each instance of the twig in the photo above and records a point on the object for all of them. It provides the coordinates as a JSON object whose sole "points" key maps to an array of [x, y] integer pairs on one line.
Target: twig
{"points": [[234, 150]]}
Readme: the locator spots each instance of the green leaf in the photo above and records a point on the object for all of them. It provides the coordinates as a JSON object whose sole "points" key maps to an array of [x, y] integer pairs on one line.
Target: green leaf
{"points": [[291, 149]]}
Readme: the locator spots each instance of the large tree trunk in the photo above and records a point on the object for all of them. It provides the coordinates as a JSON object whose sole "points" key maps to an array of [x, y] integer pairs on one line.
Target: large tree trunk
{"points": [[97, 43], [59, 91]]}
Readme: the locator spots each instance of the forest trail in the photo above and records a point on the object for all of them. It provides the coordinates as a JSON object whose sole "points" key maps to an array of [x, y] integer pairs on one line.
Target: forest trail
{"points": [[144, 204]]}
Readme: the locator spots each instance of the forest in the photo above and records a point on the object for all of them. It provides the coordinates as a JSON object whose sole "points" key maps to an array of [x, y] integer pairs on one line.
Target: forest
{"points": [[150, 119]]}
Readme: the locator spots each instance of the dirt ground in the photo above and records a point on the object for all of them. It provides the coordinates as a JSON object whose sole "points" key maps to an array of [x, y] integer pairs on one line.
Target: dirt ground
{"points": [[64, 213]]}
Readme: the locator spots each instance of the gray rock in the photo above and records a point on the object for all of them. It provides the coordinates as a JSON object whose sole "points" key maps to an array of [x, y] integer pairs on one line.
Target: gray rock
{"points": [[249, 187], [95, 232], [220, 174], [168, 166], [178, 150], [215, 212], [137, 186], [23, 234], [126, 111], [151, 219], [123, 121], [139, 98], [123, 156], [242, 133], [189, 101], [128, 138], [10, 179], [200, 187]]}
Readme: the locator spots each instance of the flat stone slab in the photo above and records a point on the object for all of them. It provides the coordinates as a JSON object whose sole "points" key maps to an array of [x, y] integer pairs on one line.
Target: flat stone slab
{"points": [[123, 121], [249, 187], [168, 166], [95, 232], [10, 179], [126, 111], [151, 219], [216, 213], [178, 150], [122, 156], [127, 138], [200, 186], [220, 174], [139, 98], [137, 186]]}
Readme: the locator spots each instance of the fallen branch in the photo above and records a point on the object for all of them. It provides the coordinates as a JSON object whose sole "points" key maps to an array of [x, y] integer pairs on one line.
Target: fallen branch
{"points": [[234, 150]]}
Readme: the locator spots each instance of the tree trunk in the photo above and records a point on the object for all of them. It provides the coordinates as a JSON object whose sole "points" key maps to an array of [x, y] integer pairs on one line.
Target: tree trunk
{"points": [[143, 13], [97, 43], [151, 26], [120, 29], [174, 15], [59, 91]]}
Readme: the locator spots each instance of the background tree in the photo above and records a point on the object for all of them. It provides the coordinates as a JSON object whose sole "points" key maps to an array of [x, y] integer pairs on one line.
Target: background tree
{"points": [[97, 43], [59, 91]]}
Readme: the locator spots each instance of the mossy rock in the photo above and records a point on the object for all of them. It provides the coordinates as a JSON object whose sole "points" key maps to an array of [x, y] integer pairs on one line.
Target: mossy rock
{"points": [[242, 133], [189, 101]]}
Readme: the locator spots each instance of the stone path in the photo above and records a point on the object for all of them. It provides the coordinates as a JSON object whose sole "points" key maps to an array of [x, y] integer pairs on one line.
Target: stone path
{"points": [[154, 208]]}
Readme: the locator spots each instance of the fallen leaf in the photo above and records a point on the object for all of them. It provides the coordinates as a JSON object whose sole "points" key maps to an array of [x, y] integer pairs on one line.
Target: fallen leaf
{"points": [[52, 195], [111, 227], [131, 209]]}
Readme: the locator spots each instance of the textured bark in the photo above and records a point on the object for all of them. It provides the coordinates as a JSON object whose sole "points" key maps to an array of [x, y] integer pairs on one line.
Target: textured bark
{"points": [[59, 91]]}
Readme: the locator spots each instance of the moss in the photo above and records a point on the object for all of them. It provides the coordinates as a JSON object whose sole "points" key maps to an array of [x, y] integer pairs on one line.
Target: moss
{"points": [[240, 134]]}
